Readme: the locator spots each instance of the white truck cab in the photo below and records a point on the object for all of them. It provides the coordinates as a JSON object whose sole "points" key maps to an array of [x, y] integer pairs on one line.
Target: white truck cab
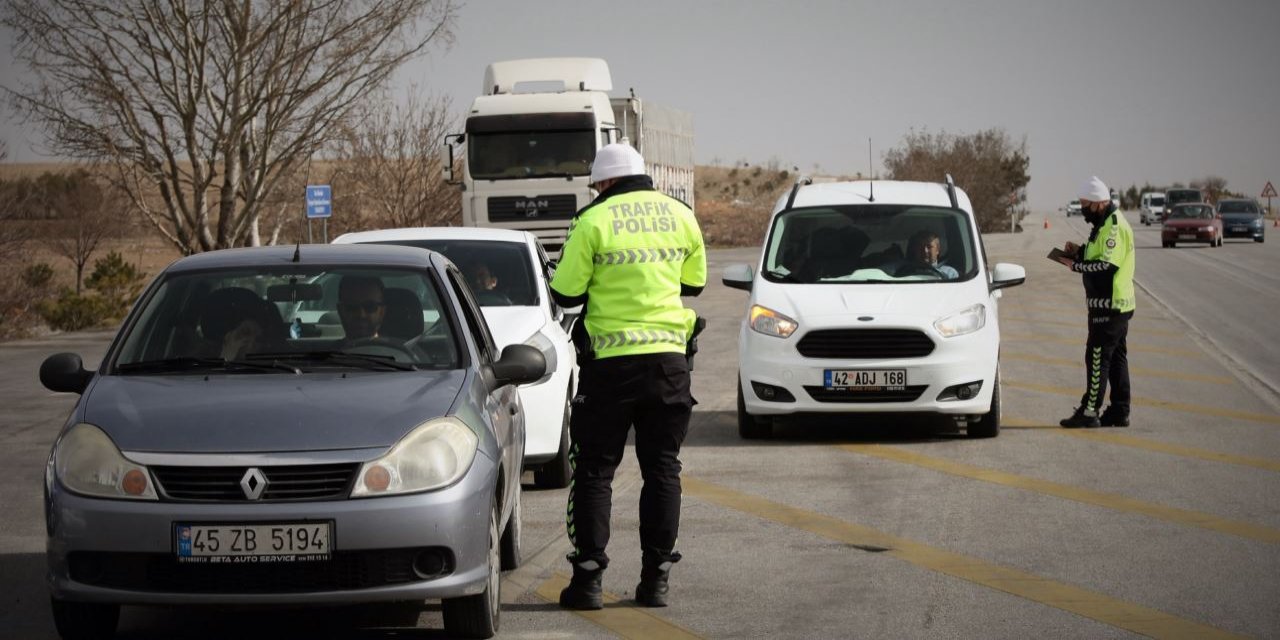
{"points": [[532, 134]]}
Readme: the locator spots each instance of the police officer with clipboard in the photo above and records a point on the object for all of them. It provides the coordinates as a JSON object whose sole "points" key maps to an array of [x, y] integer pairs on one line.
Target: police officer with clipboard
{"points": [[1106, 264], [630, 255]]}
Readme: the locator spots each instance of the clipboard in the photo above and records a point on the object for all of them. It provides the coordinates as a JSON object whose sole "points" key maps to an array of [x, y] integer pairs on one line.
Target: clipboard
{"points": [[1057, 253]]}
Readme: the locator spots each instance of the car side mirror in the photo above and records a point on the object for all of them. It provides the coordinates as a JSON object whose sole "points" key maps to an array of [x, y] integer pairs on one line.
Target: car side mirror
{"points": [[1007, 275], [519, 364], [738, 276], [64, 373]]}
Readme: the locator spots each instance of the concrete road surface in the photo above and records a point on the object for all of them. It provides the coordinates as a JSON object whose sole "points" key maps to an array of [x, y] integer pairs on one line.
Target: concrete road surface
{"points": [[881, 528]]}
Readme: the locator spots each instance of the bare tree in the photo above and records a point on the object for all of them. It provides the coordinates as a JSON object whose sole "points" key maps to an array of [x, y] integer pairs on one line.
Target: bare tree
{"points": [[1214, 187], [14, 233], [990, 167], [389, 165], [205, 108], [83, 209]]}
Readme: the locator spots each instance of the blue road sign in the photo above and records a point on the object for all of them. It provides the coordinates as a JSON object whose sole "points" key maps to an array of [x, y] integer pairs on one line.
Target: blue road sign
{"points": [[319, 201]]}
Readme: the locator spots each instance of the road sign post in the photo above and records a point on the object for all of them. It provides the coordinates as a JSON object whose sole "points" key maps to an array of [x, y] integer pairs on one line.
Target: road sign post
{"points": [[319, 205], [1270, 192]]}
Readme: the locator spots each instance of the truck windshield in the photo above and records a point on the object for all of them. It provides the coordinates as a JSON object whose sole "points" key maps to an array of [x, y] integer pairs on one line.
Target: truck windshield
{"points": [[530, 154]]}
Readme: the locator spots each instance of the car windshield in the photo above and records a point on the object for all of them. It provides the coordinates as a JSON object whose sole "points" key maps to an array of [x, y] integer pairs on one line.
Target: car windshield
{"points": [[499, 272], [1238, 207], [530, 154], [1157, 202], [870, 244], [296, 319], [1193, 212], [1184, 195]]}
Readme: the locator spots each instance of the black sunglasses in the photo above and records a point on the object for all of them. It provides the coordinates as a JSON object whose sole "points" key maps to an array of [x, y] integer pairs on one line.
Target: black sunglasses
{"points": [[369, 306]]}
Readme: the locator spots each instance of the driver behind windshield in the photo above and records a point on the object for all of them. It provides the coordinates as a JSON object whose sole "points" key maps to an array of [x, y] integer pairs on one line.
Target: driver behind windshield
{"points": [[924, 248], [361, 306]]}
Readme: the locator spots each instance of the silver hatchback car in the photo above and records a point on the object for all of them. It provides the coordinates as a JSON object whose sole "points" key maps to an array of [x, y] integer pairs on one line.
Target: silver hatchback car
{"points": [[231, 449]]}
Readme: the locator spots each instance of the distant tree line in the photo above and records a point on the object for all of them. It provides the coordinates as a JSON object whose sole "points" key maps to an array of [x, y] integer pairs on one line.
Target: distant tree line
{"points": [[1214, 189]]}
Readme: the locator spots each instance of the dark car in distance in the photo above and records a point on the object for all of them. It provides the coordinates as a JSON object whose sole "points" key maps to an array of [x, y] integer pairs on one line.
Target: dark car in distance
{"points": [[1175, 197], [1242, 218], [1196, 222]]}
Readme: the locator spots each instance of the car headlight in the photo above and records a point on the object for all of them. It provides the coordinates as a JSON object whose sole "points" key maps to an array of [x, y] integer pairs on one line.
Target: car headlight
{"points": [[771, 323], [87, 462], [962, 322], [543, 343], [433, 455], [1207, 227]]}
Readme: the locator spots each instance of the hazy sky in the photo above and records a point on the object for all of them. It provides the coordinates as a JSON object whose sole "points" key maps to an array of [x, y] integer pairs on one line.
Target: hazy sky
{"points": [[1157, 91]]}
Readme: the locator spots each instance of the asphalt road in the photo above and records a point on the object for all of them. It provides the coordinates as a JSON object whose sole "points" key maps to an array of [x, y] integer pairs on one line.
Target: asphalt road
{"points": [[877, 528]]}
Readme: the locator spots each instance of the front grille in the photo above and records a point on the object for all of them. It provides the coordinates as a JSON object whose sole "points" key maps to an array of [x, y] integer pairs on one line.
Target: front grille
{"points": [[823, 394], [514, 208], [284, 483], [865, 343], [162, 572]]}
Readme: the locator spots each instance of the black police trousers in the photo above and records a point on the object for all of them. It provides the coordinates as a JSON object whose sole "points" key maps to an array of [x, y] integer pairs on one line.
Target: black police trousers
{"points": [[1106, 360], [650, 392]]}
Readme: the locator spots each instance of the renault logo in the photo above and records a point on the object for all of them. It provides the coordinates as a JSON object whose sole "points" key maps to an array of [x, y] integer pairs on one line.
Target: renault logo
{"points": [[253, 483]]}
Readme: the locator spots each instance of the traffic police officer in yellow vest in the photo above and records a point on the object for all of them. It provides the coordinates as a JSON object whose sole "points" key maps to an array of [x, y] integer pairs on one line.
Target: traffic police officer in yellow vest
{"points": [[630, 255], [1106, 265]]}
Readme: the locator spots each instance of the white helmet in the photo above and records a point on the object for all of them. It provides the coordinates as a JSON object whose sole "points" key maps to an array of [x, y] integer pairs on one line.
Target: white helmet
{"points": [[616, 160]]}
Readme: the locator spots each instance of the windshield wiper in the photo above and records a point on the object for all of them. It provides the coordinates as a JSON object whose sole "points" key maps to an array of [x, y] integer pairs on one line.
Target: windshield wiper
{"points": [[783, 277], [190, 363], [364, 360]]}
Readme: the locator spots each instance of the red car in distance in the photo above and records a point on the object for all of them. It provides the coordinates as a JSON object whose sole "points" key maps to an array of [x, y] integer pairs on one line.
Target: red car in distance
{"points": [[1193, 222]]}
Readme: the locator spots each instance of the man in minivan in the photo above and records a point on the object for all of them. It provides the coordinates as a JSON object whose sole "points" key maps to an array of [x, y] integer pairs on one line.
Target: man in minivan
{"points": [[1106, 264]]}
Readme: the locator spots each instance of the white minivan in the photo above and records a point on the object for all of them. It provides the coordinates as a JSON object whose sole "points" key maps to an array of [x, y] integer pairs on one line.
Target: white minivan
{"points": [[871, 298], [1151, 208]]}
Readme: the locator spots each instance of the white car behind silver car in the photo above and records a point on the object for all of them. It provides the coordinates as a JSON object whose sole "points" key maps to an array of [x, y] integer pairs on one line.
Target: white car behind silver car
{"points": [[515, 299], [842, 319]]}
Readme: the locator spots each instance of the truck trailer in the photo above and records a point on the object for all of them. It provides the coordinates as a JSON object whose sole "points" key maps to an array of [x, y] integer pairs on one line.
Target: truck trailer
{"points": [[532, 134]]}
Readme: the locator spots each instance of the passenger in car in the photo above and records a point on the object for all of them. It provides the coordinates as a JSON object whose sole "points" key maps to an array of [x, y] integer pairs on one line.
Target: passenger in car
{"points": [[924, 248], [480, 277], [361, 306]]}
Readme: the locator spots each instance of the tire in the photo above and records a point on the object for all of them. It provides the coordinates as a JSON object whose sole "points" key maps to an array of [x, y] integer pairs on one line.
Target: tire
{"points": [[85, 620], [1260, 239], [478, 616], [511, 556], [988, 426], [556, 473], [1173, 245], [752, 427]]}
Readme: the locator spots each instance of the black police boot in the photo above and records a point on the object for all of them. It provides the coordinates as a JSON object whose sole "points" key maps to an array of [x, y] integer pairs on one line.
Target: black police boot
{"points": [[653, 587], [1081, 419], [584, 592], [1114, 417]]}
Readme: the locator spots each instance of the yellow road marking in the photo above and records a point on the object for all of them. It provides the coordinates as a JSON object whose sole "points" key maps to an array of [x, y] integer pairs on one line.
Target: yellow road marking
{"points": [[1097, 498], [1079, 342], [1134, 371], [1148, 445], [1013, 304], [1266, 418], [1090, 604], [1174, 449], [1083, 323], [624, 620]]}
